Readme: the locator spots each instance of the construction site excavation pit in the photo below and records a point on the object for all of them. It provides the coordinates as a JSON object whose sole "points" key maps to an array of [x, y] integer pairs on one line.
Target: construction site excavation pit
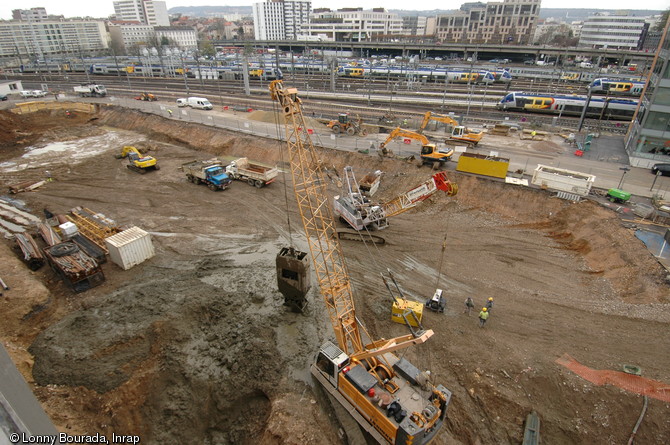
{"points": [[195, 345]]}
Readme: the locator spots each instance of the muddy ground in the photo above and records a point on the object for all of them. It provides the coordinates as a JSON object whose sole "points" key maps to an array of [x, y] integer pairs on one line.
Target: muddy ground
{"points": [[195, 346]]}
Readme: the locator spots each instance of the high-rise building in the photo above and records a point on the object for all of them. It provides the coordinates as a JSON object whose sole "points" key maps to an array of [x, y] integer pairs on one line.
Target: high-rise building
{"points": [[648, 140], [613, 31], [280, 19], [29, 15], [148, 12], [509, 21]]}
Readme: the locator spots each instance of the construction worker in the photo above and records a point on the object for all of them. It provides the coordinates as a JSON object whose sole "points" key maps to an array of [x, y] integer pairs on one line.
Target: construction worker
{"points": [[483, 316], [489, 304], [469, 305]]}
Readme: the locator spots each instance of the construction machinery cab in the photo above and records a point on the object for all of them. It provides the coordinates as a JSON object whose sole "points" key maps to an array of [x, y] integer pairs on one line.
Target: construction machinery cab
{"points": [[429, 152], [437, 303], [136, 161], [346, 124]]}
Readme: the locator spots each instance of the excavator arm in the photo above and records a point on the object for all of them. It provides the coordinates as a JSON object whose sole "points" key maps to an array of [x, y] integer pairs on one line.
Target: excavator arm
{"points": [[436, 117], [400, 132]]}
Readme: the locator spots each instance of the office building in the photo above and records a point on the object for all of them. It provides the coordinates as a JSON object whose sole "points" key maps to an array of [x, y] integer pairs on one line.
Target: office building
{"points": [[510, 21], [612, 31], [648, 140], [354, 24]]}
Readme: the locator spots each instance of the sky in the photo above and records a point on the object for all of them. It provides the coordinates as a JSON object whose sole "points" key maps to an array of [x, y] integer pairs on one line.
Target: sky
{"points": [[103, 8]]}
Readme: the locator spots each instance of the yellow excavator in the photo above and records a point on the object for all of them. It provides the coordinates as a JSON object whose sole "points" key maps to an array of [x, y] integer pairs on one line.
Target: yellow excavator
{"points": [[390, 398], [138, 162], [430, 154], [458, 132]]}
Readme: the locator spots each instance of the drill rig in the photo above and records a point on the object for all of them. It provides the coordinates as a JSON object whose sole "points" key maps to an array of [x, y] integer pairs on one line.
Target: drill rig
{"points": [[388, 396]]}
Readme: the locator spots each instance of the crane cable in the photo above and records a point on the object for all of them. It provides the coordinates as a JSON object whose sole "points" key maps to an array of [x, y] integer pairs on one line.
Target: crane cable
{"points": [[278, 128]]}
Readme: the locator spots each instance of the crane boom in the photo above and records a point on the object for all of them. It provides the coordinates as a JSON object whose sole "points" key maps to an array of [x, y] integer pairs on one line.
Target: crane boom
{"points": [[310, 192]]}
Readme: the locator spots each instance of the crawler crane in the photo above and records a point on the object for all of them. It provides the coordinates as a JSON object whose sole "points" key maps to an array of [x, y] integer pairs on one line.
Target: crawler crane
{"points": [[388, 396], [359, 212], [429, 152]]}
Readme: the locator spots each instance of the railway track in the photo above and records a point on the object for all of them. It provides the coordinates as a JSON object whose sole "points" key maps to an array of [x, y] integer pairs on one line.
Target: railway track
{"points": [[370, 99]]}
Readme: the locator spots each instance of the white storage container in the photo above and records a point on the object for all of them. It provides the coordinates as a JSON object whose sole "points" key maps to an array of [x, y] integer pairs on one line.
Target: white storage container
{"points": [[130, 247], [68, 229]]}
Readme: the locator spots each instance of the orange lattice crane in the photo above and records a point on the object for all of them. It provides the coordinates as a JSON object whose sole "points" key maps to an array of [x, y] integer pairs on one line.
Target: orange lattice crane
{"points": [[388, 396]]}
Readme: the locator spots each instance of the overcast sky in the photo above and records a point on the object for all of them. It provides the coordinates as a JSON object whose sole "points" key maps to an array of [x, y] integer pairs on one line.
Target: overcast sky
{"points": [[103, 8]]}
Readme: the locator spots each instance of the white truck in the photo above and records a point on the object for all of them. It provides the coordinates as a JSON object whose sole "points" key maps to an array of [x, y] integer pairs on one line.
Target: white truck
{"points": [[255, 174], [91, 90], [200, 103]]}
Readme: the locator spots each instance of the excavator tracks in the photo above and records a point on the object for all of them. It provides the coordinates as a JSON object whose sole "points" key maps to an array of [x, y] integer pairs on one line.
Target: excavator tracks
{"points": [[354, 235]]}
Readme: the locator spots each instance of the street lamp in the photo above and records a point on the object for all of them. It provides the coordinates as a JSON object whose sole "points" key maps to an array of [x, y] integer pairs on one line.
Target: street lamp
{"points": [[625, 170]]}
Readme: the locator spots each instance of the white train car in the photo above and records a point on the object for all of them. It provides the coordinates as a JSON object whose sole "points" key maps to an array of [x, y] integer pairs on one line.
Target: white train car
{"points": [[598, 107]]}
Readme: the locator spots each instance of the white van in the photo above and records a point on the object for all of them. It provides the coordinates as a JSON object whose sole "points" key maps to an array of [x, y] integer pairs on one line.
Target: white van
{"points": [[200, 103]]}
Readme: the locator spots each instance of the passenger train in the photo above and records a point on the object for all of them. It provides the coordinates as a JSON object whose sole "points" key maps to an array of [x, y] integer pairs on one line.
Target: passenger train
{"points": [[440, 75], [598, 107], [617, 87]]}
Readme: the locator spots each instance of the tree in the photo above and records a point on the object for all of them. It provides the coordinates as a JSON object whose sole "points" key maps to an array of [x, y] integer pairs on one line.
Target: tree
{"points": [[660, 25], [206, 48]]}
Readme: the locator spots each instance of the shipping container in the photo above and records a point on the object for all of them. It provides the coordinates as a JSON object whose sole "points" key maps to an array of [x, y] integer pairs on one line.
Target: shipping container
{"points": [[129, 247]]}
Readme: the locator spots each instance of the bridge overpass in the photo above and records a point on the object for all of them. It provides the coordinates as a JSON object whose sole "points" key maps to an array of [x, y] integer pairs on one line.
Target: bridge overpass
{"points": [[515, 53]]}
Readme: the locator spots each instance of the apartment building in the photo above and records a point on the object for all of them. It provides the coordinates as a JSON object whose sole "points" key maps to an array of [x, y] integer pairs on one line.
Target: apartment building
{"points": [[126, 36], [280, 19], [354, 24], [183, 37], [648, 140], [30, 15], [147, 12], [509, 21], [612, 31], [50, 37]]}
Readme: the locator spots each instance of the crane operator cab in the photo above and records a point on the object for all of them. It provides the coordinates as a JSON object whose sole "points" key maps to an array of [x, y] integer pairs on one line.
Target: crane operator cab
{"points": [[398, 415]]}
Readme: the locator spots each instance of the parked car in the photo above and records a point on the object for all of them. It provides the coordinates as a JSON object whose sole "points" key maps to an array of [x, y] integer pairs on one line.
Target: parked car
{"points": [[664, 169]]}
